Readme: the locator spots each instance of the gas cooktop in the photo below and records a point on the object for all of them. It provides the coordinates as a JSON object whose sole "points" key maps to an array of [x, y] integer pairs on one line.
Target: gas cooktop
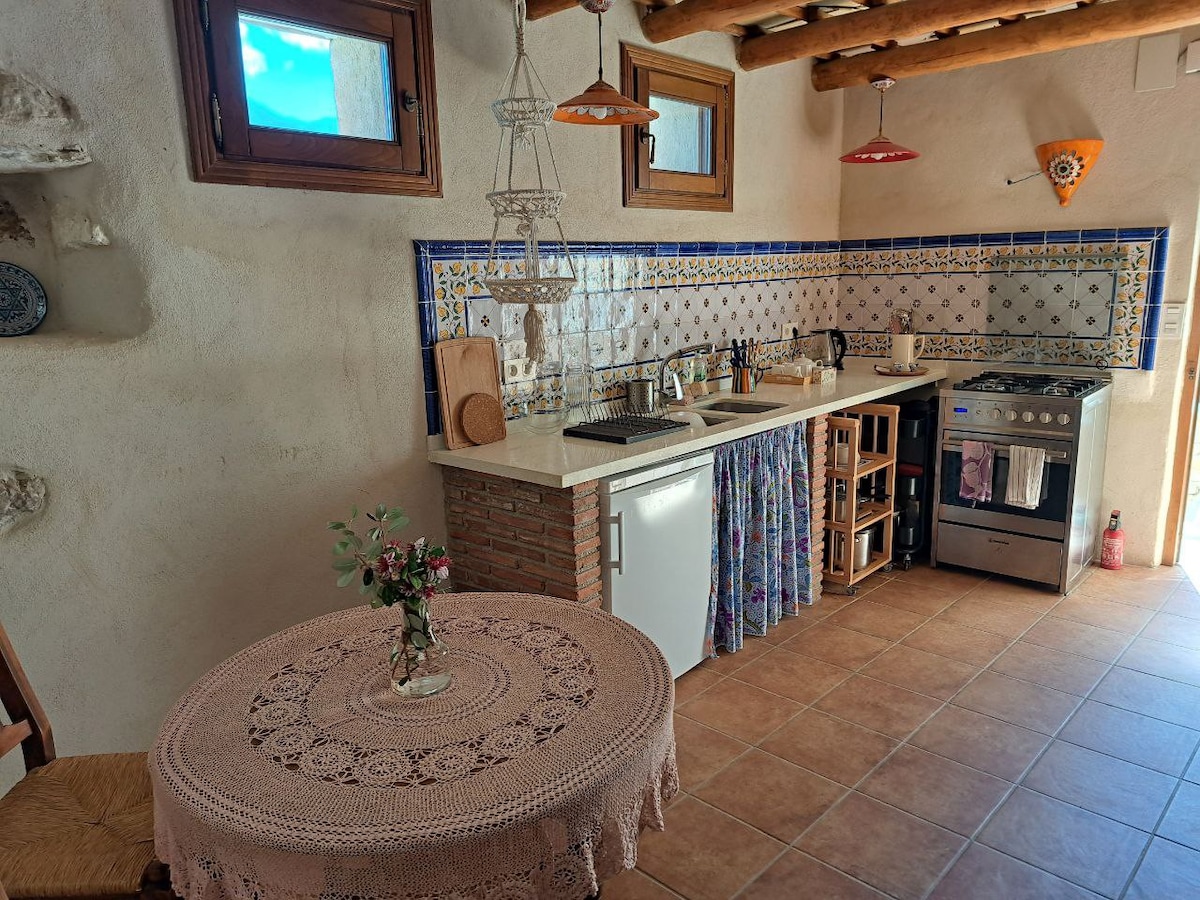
{"points": [[1041, 384]]}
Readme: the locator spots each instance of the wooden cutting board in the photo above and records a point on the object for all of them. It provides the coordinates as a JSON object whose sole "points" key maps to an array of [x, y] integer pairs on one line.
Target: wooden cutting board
{"points": [[465, 366]]}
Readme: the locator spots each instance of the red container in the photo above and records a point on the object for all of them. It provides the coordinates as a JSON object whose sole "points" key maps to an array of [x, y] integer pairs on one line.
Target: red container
{"points": [[1112, 547]]}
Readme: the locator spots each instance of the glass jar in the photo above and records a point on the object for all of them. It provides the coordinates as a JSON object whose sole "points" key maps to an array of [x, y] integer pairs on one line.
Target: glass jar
{"points": [[419, 660]]}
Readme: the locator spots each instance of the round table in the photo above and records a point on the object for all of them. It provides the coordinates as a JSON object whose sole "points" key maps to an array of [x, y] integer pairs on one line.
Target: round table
{"points": [[292, 770]]}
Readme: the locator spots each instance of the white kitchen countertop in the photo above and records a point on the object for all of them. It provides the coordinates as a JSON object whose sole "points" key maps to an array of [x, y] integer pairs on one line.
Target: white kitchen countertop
{"points": [[557, 461]]}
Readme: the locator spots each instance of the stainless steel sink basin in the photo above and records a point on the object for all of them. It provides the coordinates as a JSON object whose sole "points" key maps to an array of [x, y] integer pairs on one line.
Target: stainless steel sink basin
{"points": [[691, 415], [742, 406]]}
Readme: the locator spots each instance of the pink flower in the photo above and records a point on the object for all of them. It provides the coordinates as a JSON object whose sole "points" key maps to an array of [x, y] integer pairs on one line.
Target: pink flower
{"points": [[387, 566], [428, 591]]}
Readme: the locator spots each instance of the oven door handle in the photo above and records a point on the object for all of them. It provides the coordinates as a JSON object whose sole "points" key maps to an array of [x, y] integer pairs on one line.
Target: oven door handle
{"points": [[1055, 456]]}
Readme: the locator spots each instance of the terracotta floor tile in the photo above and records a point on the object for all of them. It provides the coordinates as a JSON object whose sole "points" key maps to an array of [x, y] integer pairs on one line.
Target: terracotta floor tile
{"points": [[839, 646], [1182, 821], [788, 627], [702, 752], [771, 794], [1019, 702], [1179, 630], [1132, 737], [1184, 603], [1150, 695], [795, 876], [727, 663], [1077, 638], [1052, 668], [943, 578], [1146, 594], [877, 619], [936, 789], [879, 706], [917, 598], [1007, 620], [886, 848], [704, 854], [693, 682], [1102, 784], [634, 885], [801, 678], [983, 874], [827, 605], [1005, 591], [969, 645], [740, 710], [828, 746], [1168, 871], [1072, 843], [981, 742], [925, 673], [1165, 660], [1103, 614]]}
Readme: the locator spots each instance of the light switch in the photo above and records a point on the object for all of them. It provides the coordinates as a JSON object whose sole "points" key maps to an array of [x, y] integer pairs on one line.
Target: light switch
{"points": [[1192, 64], [1171, 323], [1157, 63]]}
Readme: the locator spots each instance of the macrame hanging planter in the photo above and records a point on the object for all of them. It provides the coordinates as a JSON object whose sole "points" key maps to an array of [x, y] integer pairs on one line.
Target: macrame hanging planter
{"points": [[1067, 163], [527, 195]]}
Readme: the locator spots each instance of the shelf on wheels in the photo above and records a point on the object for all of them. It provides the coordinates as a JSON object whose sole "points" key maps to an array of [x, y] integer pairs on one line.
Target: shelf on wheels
{"points": [[863, 438]]}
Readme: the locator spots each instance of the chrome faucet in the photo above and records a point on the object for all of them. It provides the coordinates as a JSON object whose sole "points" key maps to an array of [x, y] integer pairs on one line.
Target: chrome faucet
{"points": [[677, 392]]}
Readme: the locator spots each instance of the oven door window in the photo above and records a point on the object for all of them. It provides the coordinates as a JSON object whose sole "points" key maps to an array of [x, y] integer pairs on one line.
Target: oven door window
{"points": [[1056, 485]]}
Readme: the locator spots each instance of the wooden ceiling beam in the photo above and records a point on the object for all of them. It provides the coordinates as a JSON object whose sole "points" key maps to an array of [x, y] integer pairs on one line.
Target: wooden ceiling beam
{"points": [[1042, 34], [539, 9], [913, 18], [692, 16]]}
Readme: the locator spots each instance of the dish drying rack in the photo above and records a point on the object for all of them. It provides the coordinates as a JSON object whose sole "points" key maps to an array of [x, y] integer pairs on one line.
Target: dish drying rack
{"points": [[617, 423]]}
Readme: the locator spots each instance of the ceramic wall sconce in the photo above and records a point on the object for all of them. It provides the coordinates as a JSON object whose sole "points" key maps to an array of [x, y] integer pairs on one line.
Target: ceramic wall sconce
{"points": [[1067, 163]]}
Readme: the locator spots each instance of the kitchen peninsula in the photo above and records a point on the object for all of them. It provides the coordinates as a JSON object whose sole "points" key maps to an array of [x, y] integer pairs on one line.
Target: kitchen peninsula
{"points": [[523, 513]]}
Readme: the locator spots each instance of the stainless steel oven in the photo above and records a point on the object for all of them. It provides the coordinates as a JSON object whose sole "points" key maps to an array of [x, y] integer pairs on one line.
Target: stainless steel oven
{"points": [[1064, 414]]}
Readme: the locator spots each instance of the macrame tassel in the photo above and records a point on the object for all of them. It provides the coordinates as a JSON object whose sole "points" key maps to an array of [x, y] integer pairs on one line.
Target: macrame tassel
{"points": [[535, 334]]}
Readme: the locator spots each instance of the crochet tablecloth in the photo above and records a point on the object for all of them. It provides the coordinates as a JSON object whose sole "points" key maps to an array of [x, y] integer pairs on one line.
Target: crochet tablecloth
{"points": [[293, 771]]}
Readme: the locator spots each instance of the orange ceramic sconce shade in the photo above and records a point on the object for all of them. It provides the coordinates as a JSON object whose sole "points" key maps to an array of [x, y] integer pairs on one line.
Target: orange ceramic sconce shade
{"points": [[1067, 163]]}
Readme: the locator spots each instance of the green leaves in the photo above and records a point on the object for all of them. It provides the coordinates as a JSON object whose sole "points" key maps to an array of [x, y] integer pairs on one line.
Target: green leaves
{"points": [[419, 640], [346, 565], [345, 579]]}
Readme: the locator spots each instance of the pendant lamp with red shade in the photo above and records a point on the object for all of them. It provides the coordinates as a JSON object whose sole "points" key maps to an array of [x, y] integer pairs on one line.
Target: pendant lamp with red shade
{"points": [[602, 104], [879, 149]]}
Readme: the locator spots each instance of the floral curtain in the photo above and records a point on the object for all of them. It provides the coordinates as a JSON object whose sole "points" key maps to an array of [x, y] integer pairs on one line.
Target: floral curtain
{"points": [[761, 548]]}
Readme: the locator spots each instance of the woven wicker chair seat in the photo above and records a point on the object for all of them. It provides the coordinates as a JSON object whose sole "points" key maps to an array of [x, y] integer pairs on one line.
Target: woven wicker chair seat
{"points": [[79, 827]]}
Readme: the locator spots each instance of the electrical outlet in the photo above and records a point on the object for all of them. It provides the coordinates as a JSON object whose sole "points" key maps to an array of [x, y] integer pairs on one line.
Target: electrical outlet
{"points": [[513, 350], [518, 370], [1171, 322], [786, 329]]}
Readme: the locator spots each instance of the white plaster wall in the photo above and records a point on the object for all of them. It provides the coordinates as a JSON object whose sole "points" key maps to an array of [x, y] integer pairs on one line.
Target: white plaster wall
{"points": [[977, 127], [242, 364]]}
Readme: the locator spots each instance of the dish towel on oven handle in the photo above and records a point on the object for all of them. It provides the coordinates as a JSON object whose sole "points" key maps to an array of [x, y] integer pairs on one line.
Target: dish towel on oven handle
{"points": [[975, 482], [1026, 466]]}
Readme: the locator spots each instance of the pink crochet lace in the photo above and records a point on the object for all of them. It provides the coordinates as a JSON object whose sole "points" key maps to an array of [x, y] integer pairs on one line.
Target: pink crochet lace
{"points": [[292, 771]]}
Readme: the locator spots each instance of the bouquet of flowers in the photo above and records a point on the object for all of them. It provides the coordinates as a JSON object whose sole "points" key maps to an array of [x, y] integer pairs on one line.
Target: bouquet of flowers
{"points": [[394, 572]]}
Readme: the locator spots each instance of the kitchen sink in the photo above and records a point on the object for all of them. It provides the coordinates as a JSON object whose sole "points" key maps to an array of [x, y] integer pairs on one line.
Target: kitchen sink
{"points": [[742, 406], [690, 416]]}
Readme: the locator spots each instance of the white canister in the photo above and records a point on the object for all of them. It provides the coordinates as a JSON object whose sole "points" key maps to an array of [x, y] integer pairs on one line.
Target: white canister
{"points": [[906, 350]]}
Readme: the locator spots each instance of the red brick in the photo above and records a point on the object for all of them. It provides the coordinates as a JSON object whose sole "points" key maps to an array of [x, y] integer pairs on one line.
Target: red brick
{"points": [[521, 523], [525, 551]]}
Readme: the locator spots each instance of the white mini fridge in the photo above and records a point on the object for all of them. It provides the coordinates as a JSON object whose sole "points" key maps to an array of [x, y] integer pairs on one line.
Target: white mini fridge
{"points": [[656, 533]]}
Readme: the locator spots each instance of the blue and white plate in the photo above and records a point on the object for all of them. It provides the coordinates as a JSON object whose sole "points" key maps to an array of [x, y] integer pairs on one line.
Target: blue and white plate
{"points": [[22, 301]]}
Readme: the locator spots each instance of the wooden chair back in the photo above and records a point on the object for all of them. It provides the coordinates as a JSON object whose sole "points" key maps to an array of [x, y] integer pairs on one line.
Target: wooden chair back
{"points": [[30, 728]]}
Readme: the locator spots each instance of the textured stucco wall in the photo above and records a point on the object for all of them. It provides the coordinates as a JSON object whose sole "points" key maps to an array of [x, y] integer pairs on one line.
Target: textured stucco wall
{"points": [[242, 364], [977, 127]]}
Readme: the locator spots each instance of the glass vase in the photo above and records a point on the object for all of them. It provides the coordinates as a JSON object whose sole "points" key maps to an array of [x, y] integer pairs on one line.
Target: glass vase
{"points": [[420, 661]]}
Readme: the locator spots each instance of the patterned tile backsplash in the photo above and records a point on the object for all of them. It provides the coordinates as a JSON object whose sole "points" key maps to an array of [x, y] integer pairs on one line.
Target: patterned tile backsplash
{"points": [[1067, 298]]}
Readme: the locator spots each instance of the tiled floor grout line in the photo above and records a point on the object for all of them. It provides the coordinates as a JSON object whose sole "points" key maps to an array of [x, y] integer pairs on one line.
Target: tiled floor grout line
{"points": [[943, 704]]}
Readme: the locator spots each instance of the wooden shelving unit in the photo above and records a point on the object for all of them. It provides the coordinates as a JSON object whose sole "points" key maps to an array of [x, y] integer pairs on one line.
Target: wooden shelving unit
{"points": [[861, 470]]}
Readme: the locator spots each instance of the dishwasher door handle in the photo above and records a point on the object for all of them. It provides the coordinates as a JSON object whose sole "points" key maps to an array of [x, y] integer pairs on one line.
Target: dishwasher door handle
{"points": [[619, 562]]}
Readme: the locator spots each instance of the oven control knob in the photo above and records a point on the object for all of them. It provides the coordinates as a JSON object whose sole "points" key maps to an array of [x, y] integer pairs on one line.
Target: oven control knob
{"points": [[995, 413], [1045, 418], [1027, 416], [1064, 419], [1011, 415]]}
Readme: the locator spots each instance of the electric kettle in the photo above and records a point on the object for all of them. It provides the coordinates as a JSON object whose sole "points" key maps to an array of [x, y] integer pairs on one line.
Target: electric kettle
{"points": [[828, 347]]}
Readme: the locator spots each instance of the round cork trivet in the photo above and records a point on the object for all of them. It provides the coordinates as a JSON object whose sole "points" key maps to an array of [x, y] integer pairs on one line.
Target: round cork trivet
{"points": [[482, 419]]}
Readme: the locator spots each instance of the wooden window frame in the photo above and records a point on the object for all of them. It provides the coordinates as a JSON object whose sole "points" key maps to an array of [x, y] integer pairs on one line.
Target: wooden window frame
{"points": [[221, 153], [652, 189]]}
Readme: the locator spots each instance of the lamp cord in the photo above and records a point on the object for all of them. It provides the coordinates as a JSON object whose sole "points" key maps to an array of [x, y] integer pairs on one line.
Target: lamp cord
{"points": [[600, 42], [881, 113]]}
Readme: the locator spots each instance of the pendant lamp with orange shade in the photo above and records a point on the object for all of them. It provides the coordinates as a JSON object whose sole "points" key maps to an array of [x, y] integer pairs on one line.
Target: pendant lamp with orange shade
{"points": [[602, 104], [879, 149]]}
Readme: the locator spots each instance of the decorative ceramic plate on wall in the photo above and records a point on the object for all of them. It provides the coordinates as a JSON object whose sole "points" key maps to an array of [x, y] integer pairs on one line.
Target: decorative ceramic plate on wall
{"points": [[22, 301]]}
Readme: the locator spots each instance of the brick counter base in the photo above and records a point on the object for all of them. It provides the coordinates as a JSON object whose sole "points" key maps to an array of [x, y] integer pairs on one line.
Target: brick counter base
{"points": [[507, 535]]}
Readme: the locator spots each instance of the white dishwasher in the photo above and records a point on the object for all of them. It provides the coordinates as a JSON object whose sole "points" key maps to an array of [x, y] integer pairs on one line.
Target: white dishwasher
{"points": [[656, 547]]}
